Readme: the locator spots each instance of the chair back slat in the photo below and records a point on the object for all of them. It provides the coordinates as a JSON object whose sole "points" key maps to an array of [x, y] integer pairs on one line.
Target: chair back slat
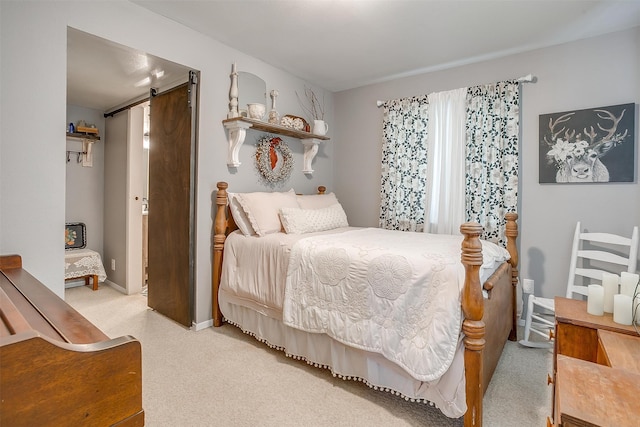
{"points": [[611, 239], [588, 264], [604, 257], [580, 290], [586, 260]]}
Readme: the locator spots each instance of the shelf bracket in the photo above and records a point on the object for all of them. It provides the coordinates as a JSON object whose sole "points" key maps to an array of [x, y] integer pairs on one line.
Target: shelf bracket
{"points": [[237, 132], [310, 151]]}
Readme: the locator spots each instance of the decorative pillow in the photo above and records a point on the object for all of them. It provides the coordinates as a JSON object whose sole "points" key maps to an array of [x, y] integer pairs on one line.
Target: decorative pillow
{"points": [[316, 201], [262, 209], [300, 221], [239, 216]]}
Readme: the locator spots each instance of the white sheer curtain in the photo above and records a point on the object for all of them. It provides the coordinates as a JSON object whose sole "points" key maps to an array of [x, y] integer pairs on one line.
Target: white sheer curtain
{"points": [[446, 136]]}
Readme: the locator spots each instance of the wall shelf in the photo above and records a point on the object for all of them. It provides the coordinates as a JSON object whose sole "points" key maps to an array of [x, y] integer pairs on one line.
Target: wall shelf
{"points": [[85, 156], [78, 135], [237, 128]]}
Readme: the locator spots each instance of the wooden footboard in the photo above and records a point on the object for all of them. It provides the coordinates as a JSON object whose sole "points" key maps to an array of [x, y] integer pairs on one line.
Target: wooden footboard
{"points": [[492, 326], [488, 322], [222, 226]]}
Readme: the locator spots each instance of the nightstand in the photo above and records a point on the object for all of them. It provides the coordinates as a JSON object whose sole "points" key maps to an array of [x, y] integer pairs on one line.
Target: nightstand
{"points": [[596, 369]]}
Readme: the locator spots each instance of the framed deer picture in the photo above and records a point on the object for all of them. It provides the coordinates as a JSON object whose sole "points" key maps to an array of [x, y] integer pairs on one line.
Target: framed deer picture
{"points": [[592, 145]]}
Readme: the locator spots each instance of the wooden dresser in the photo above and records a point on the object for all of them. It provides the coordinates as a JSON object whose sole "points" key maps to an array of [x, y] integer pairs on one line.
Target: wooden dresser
{"points": [[596, 369], [58, 369]]}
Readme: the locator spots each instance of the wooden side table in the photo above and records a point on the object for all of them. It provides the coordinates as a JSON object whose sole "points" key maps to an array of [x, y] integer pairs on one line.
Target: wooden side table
{"points": [[588, 394], [596, 370], [577, 330], [619, 351]]}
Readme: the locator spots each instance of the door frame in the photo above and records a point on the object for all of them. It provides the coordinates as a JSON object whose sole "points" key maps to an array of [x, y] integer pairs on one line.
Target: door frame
{"points": [[134, 192]]}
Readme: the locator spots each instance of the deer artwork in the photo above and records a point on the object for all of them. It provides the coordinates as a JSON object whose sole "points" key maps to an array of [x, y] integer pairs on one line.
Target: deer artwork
{"points": [[577, 155]]}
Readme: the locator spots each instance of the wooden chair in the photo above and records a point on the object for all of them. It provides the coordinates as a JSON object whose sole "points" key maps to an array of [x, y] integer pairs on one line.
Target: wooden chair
{"points": [[589, 253]]}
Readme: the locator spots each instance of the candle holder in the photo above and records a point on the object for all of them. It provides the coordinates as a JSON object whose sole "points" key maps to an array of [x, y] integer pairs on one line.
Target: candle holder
{"points": [[233, 94], [610, 285], [622, 309], [274, 118], [595, 300], [628, 283]]}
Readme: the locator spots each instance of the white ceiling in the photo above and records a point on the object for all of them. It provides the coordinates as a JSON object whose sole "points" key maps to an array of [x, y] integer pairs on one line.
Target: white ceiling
{"points": [[343, 44], [103, 75]]}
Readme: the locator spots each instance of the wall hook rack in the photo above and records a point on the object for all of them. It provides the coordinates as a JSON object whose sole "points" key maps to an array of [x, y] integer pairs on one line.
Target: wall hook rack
{"points": [[77, 153]]}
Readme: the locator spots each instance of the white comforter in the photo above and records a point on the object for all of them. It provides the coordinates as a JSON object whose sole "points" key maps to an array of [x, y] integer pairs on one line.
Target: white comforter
{"points": [[396, 294]]}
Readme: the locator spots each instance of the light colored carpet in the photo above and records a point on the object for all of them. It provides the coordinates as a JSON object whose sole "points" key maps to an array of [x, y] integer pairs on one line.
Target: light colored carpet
{"points": [[222, 377]]}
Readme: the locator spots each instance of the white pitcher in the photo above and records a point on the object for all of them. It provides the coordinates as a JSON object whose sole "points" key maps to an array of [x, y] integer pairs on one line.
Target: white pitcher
{"points": [[320, 127]]}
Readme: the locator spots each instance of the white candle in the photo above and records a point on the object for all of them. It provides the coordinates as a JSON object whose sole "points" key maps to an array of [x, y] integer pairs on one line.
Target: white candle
{"points": [[628, 282], [636, 309], [610, 285], [595, 300], [622, 309]]}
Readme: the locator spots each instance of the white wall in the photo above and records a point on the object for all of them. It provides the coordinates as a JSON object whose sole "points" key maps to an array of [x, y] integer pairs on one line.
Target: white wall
{"points": [[115, 197], [590, 73], [84, 187], [33, 79]]}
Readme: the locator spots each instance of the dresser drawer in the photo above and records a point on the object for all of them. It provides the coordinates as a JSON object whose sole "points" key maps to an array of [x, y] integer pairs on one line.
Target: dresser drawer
{"points": [[588, 394]]}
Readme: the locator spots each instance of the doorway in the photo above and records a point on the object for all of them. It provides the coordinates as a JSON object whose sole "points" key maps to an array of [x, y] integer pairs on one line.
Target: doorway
{"points": [[105, 76]]}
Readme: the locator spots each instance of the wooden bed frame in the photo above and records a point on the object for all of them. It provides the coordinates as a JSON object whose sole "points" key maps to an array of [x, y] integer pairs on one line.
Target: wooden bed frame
{"points": [[488, 322]]}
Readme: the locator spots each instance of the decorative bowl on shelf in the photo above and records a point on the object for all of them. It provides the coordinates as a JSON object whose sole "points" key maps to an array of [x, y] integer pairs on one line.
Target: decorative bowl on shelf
{"points": [[294, 122], [256, 111]]}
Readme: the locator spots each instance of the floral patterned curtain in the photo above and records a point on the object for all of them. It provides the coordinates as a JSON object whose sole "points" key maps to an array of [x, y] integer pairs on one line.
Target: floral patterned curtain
{"points": [[404, 163], [492, 156], [492, 138]]}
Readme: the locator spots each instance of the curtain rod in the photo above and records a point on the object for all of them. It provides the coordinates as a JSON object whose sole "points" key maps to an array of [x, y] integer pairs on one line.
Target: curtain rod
{"points": [[529, 78]]}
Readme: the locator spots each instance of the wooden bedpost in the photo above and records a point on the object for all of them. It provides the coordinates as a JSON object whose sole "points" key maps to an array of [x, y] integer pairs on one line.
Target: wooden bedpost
{"points": [[512, 234], [473, 325], [219, 236]]}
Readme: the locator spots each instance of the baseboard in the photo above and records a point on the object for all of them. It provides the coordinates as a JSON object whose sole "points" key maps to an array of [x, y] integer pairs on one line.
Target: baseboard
{"points": [[115, 286], [202, 325], [76, 283]]}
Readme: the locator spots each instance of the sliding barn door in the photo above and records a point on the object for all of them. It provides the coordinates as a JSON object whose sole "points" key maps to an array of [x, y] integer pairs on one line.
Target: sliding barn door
{"points": [[171, 202]]}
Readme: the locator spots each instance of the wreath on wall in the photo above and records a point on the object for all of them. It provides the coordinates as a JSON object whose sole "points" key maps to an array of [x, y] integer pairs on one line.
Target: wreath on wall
{"points": [[267, 151]]}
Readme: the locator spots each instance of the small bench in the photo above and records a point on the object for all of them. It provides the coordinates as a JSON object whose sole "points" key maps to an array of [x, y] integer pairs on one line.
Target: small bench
{"points": [[84, 264], [79, 262], [57, 368]]}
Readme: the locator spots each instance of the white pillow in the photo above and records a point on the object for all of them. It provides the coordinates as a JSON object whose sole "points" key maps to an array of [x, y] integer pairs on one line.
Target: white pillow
{"points": [[316, 201], [262, 209], [239, 216], [300, 221]]}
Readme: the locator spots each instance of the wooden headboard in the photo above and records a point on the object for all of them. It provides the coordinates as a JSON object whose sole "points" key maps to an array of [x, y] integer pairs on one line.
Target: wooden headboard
{"points": [[222, 226]]}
